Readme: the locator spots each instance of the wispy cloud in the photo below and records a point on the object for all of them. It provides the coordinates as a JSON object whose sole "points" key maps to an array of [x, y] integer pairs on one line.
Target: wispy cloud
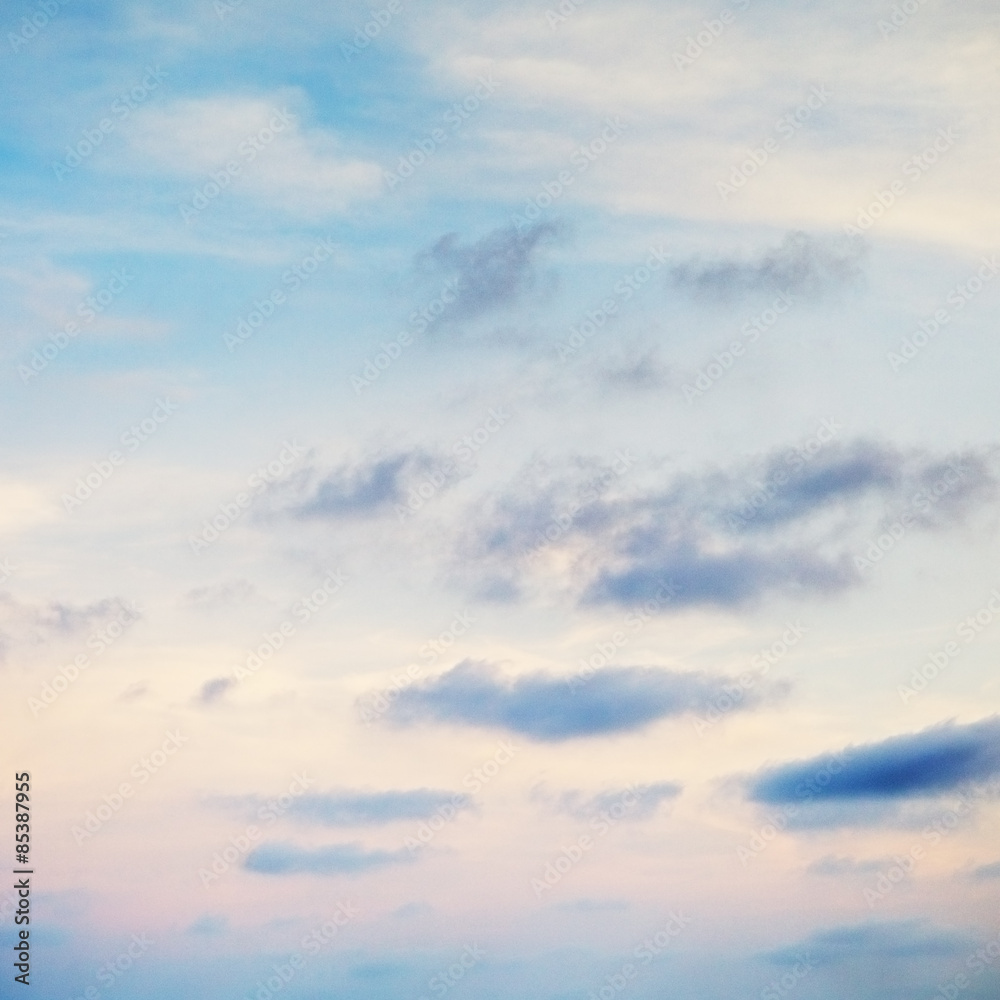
{"points": [[801, 265], [900, 939], [335, 859]]}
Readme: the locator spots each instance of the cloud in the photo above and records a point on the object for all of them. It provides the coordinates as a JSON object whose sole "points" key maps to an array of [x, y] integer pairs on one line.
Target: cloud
{"points": [[213, 690], [220, 595], [801, 265], [889, 940], [335, 859], [547, 709], [929, 763], [373, 808], [639, 802], [837, 865], [492, 273], [354, 489], [279, 163], [794, 521], [210, 925], [34, 624], [985, 873]]}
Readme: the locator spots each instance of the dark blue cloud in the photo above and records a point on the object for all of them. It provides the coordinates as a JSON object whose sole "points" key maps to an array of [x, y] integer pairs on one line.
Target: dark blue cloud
{"points": [[491, 273], [903, 939], [546, 708], [934, 761], [373, 808], [335, 859], [802, 265]]}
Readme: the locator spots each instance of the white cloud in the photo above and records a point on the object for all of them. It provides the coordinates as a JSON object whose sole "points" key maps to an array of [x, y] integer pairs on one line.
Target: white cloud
{"points": [[273, 158]]}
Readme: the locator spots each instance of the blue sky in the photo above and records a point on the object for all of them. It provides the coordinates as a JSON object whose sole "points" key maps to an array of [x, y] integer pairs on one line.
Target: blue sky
{"points": [[502, 500]]}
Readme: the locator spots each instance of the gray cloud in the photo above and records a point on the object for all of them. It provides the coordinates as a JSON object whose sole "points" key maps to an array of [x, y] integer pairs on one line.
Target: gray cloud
{"points": [[494, 272], [801, 265], [638, 802], [211, 691], [35, 624], [985, 873], [792, 522], [353, 490], [546, 709], [373, 808], [335, 859], [836, 865], [220, 595]]}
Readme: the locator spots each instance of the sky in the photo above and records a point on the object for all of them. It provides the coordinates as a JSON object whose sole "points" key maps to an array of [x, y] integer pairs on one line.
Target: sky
{"points": [[501, 500]]}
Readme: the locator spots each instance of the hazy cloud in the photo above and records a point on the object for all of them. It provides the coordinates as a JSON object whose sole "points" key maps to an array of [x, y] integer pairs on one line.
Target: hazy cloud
{"points": [[546, 708]]}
